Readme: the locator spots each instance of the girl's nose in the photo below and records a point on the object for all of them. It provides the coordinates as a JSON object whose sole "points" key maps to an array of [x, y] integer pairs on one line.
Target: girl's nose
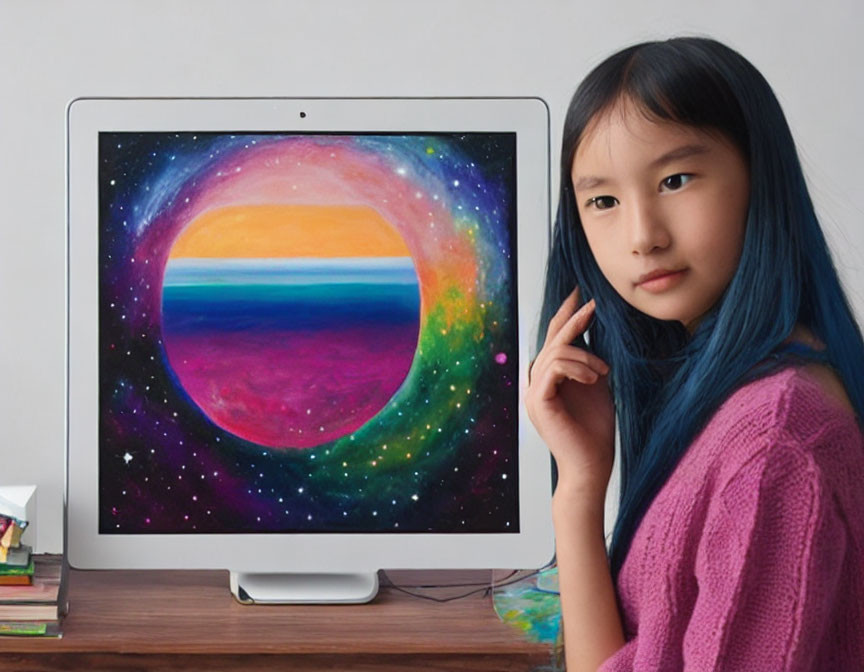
{"points": [[646, 227]]}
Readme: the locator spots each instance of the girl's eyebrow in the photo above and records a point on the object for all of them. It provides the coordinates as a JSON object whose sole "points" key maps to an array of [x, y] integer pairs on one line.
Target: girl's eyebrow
{"points": [[693, 149]]}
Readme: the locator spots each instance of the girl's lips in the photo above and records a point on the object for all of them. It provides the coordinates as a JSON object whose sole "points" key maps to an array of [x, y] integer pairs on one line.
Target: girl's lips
{"points": [[662, 283], [656, 273]]}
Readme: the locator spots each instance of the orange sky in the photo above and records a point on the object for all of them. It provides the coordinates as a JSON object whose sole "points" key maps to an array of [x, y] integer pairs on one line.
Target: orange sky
{"points": [[290, 231]]}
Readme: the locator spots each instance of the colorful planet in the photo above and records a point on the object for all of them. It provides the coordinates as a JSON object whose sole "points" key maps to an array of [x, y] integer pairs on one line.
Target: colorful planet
{"points": [[290, 325]]}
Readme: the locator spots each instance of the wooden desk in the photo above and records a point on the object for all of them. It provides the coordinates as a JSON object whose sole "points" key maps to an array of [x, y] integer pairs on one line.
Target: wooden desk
{"points": [[188, 620]]}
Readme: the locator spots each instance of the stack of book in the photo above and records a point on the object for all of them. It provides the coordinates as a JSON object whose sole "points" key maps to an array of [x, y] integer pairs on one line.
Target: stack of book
{"points": [[32, 587]]}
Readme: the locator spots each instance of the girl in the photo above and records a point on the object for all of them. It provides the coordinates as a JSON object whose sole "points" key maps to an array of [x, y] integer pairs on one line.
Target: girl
{"points": [[713, 322]]}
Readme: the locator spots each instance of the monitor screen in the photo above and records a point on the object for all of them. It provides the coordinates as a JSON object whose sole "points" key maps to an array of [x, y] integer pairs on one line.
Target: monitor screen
{"points": [[308, 333]]}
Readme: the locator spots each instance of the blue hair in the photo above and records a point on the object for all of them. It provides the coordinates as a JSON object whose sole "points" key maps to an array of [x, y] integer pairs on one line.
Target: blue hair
{"points": [[667, 383]]}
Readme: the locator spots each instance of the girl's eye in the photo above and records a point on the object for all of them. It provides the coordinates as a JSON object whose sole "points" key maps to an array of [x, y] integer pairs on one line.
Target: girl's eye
{"points": [[601, 202], [674, 182]]}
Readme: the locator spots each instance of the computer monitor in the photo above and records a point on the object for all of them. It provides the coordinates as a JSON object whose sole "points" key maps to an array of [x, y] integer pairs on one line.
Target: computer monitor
{"points": [[298, 337]]}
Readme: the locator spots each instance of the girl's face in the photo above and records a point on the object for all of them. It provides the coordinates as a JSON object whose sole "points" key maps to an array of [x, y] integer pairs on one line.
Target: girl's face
{"points": [[661, 196]]}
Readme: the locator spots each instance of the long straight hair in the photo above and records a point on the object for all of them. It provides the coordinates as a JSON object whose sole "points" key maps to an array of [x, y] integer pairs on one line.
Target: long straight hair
{"points": [[667, 384]]}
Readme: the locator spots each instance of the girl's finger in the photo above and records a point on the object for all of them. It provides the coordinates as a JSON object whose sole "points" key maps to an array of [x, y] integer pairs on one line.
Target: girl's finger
{"points": [[559, 319], [577, 324], [566, 352], [576, 354], [561, 370]]}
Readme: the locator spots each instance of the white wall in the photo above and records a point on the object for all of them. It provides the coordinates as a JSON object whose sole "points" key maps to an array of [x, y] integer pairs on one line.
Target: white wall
{"points": [[52, 51]]}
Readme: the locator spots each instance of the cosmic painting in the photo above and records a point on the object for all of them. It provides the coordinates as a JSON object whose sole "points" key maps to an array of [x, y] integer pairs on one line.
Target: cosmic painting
{"points": [[307, 333]]}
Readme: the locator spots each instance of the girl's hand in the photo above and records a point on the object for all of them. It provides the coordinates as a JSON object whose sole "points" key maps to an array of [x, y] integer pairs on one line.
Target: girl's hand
{"points": [[570, 403]]}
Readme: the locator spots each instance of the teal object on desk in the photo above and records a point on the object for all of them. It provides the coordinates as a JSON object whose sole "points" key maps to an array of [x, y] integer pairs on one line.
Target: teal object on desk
{"points": [[533, 605]]}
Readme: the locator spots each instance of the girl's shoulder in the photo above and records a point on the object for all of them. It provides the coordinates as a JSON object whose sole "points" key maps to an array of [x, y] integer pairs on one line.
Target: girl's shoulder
{"points": [[799, 400], [825, 378], [822, 375], [800, 407]]}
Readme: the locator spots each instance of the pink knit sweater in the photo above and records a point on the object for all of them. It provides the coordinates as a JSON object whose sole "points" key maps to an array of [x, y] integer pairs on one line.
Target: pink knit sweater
{"points": [[751, 557]]}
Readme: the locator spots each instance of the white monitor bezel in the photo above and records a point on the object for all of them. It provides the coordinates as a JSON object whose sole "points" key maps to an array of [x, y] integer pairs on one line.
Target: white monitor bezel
{"points": [[533, 546]]}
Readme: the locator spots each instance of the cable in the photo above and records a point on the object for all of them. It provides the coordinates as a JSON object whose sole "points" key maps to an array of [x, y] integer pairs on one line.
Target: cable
{"points": [[446, 585], [485, 589]]}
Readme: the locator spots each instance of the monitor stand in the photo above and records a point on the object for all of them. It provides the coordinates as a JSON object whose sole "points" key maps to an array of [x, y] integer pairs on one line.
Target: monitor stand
{"points": [[304, 588]]}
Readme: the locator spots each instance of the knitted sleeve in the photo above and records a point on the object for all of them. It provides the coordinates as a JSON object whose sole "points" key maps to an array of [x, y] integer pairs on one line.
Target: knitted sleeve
{"points": [[767, 569]]}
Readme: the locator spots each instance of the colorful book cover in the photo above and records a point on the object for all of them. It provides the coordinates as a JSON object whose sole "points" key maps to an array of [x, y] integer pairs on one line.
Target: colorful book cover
{"points": [[13, 570], [11, 537], [30, 629]]}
